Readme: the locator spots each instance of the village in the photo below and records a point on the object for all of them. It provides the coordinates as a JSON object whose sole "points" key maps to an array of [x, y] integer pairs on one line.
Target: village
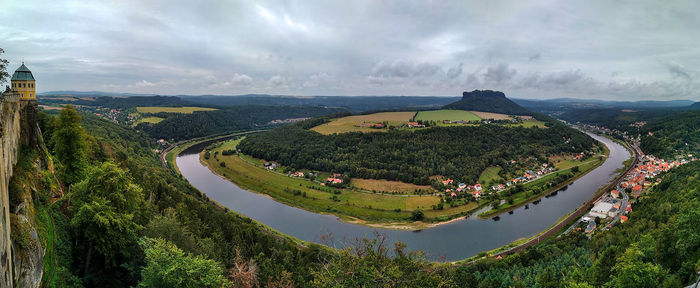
{"points": [[615, 206]]}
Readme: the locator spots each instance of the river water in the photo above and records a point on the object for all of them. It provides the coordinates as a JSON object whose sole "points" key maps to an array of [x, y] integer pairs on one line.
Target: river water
{"points": [[452, 241]]}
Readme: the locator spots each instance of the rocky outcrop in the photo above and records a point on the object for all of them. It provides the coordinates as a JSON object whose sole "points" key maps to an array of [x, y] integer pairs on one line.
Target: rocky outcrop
{"points": [[21, 256], [488, 101]]}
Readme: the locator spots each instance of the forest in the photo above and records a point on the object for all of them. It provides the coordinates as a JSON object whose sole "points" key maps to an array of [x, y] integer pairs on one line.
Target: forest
{"points": [[670, 135], [128, 222], [229, 119], [413, 156]]}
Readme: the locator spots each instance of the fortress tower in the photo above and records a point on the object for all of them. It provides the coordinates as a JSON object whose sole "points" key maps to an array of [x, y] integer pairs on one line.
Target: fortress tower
{"points": [[23, 82]]}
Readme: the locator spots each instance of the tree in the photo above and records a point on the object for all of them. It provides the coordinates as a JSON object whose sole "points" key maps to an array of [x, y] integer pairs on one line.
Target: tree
{"points": [[3, 68], [417, 215], [547, 279], [105, 203], [70, 145], [631, 271], [168, 266]]}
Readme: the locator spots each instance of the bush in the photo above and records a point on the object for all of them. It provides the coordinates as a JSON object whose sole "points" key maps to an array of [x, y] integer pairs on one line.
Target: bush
{"points": [[417, 215]]}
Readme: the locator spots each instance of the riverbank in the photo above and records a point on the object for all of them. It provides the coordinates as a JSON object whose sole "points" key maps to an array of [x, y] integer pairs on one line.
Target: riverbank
{"points": [[364, 208], [521, 199]]}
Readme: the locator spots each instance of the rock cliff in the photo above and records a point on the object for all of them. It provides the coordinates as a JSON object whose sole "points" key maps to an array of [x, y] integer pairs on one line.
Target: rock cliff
{"points": [[21, 255]]}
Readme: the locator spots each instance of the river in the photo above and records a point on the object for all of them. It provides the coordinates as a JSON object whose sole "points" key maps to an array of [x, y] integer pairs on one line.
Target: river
{"points": [[452, 241]]}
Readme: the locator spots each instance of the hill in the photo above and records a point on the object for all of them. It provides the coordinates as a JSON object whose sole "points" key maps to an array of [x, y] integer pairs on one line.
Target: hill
{"points": [[414, 156], [695, 106], [488, 101]]}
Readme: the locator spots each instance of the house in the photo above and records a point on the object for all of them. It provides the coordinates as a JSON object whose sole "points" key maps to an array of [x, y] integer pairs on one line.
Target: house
{"points": [[477, 187], [476, 194], [615, 193], [415, 125], [298, 174], [462, 185], [447, 182], [623, 219], [453, 195], [590, 228]]}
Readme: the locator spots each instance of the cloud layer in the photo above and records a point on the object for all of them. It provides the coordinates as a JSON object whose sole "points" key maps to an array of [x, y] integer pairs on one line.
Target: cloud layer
{"points": [[594, 49]]}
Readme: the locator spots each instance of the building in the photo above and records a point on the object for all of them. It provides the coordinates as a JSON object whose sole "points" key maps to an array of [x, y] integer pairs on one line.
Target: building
{"points": [[601, 210], [23, 82]]}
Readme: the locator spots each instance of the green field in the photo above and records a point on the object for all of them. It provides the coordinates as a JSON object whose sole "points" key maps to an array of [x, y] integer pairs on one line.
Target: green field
{"points": [[183, 110], [491, 173], [360, 123], [152, 120], [452, 115]]}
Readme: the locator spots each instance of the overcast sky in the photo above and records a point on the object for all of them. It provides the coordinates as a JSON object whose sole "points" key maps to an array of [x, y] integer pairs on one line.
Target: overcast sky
{"points": [[627, 50]]}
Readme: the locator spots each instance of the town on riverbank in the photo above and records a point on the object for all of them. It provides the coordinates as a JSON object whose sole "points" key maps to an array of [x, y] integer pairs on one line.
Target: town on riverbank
{"points": [[615, 205]]}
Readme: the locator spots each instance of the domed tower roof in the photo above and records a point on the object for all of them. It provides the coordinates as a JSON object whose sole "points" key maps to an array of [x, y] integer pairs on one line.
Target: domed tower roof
{"points": [[23, 74]]}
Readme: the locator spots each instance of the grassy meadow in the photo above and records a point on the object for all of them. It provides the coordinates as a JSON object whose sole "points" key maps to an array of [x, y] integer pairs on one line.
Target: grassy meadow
{"points": [[452, 115], [360, 123]]}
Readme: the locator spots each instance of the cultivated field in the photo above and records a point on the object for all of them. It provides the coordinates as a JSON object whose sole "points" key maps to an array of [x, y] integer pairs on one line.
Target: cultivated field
{"points": [[184, 110], [388, 186], [497, 116], [360, 123], [452, 115], [152, 120]]}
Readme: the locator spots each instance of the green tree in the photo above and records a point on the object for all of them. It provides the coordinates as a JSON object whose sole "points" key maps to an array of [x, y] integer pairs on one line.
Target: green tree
{"points": [[631, 271], [3, 68], [105, 203], [70, 145], [168, 266], [417, 215], [547, 279]]}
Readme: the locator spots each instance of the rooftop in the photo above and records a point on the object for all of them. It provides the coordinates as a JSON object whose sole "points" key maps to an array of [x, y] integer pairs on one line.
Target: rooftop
{"points": [[22, 74]]}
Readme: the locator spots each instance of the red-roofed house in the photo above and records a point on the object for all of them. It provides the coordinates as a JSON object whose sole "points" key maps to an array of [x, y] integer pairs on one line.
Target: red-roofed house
{"points": [[623, 219]]}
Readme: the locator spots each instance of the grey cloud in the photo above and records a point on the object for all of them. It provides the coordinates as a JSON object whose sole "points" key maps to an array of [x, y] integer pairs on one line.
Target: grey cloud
{"points": [[678, 71], [279, 46], [454, 72], [499, 74], [241, 80]]}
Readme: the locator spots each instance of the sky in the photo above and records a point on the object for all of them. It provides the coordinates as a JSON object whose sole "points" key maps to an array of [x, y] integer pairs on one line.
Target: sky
{"points": [[621, 50]]}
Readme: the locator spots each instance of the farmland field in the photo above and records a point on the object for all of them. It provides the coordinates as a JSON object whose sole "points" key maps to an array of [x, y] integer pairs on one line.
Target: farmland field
{"points": [[360, 123], [491, 173], [152, 120], [496, 116], [452, 115], [184, 110], [388, 186]]}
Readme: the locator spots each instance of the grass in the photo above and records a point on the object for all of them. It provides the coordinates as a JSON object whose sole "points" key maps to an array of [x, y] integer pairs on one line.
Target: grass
{"points": [[529, 124], [248, 173], [360, 123], [490, 174], [452, 115], [388, 186], [183, 110], [152, 120]]}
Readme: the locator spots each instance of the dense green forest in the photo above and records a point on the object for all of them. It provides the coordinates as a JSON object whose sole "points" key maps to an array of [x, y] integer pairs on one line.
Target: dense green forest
{"points": [[413, 156], [126, 220], [667, 136], [204, 123]]}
